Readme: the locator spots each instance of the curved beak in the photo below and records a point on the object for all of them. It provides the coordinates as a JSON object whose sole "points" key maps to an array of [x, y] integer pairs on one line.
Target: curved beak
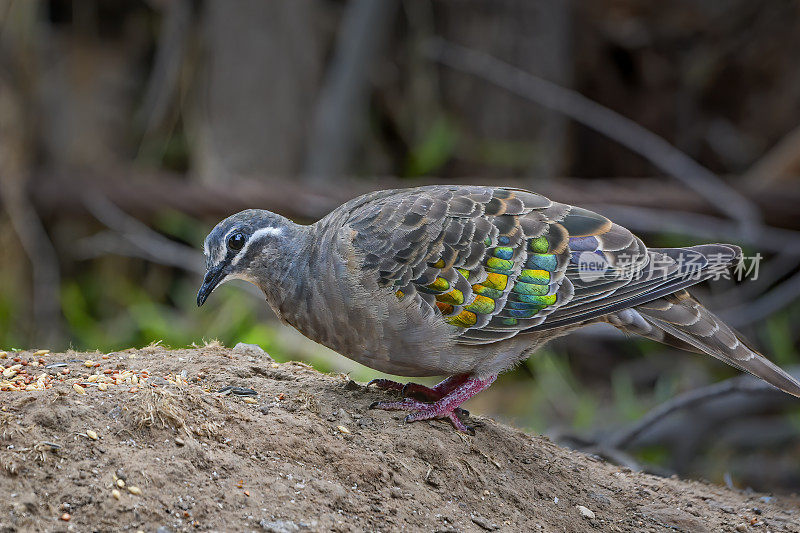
{"points": [[210, 282]]}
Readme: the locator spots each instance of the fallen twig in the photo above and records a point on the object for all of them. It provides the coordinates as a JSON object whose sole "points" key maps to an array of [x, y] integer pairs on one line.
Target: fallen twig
{"points": [[778, 163]]}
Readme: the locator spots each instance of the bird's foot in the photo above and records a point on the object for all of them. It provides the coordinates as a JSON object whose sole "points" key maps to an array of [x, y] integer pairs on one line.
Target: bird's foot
{"points": [[445, 407]]}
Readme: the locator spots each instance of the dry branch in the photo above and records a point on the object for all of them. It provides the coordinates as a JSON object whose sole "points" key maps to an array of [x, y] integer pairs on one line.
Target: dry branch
{"points": [[782, 161], [605, 121]]}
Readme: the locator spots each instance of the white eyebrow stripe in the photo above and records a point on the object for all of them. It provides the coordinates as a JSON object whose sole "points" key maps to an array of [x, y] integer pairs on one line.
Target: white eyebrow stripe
{"points": [[254, 237]]}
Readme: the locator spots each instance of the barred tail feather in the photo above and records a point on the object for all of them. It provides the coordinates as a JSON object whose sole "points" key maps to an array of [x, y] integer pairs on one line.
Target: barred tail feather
{"points": [[684, 319]]}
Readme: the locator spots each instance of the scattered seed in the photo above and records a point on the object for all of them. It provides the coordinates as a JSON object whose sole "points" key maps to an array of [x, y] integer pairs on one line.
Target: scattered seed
{"points": [[102, 386], [92, 434], [343, 429], [179, 442], [247, 493], [105, 356], [77, 388], [3, 355], [37, 353], [88, 363], [116, 494], [120, 483], [92, 378], [250, 400], [135, 490], [66, 517], [11, 371]]}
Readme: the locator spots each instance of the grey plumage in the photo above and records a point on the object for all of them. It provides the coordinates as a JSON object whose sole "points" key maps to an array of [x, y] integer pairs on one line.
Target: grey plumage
{"points": [[461, 280]]}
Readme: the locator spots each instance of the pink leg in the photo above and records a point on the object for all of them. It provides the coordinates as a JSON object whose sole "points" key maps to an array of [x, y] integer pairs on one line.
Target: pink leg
{"points": [[432, 393], [444, 407], [439, 390]]}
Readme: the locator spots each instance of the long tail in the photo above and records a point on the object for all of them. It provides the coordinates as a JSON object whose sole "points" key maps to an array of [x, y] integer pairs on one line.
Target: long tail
{"points": [[680, 320]]}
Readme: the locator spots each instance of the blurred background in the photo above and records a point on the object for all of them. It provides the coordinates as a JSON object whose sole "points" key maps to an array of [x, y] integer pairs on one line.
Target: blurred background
{"points": [[129, 128]]}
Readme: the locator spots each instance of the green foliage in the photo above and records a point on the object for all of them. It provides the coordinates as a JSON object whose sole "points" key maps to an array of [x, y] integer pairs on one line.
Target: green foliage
{"points": [[780, 334], [507, 154], [557, 388], [654, 455], [9, 310], [434, 150], [626, 401], [181, 226]]}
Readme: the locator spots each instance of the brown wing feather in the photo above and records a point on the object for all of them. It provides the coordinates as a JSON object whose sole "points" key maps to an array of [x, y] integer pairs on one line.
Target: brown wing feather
{"points": [[460, 251]]}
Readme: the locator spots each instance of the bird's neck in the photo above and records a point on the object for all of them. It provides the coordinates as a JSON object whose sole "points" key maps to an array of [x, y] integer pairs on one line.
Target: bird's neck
{"points": [[283, 272]]}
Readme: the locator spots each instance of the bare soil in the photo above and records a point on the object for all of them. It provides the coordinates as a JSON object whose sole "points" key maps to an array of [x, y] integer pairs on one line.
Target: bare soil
{"points": [[304, 454]]}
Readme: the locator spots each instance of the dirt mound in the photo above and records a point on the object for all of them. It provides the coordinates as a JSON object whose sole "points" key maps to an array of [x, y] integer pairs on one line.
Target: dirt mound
{"points": [[141, 440]]}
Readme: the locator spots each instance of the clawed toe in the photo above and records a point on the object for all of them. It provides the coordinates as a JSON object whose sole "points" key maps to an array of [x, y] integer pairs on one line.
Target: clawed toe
{"points": [[426, 411], [385, 384], [415, 388]]}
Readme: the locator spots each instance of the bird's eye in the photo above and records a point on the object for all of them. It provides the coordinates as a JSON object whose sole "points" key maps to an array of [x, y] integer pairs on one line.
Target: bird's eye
{"points": [[236, 241]]}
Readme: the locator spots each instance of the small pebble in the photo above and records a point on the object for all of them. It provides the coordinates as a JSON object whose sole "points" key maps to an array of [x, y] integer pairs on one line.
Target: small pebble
{"points": [[179, 442], [585, 512], [484, 522]]}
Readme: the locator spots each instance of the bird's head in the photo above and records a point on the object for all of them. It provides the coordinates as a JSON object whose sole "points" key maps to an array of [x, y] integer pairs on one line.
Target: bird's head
{"points": [[242, 247]]}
